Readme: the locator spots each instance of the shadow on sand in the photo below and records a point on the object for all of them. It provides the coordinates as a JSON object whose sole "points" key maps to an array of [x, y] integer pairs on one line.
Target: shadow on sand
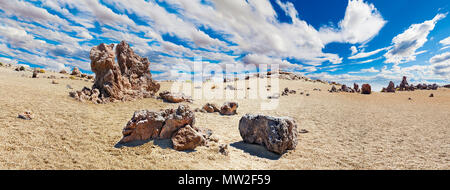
{"points": [[256, 150], [163, 143]]}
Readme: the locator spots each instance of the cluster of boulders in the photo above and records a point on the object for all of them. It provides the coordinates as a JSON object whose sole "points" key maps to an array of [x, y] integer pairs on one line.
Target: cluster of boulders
{"points": [[286, 92], [174, 97], [128, 79], [277, 134], [404, 86], [175, 124], [345, 88], [228, 108]]}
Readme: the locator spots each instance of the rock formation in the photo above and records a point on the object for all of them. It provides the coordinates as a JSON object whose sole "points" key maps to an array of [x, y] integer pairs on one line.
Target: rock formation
{"points": [[355, 87], [404, 84], [333, 89], [390, 87], [277, 134], [128, 79], [229, 108], [174, 97], [366, 89], [175, 124]]}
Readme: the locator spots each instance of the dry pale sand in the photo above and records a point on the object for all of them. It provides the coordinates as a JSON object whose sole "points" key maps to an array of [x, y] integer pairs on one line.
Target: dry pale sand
{"points": [[346, 131]]}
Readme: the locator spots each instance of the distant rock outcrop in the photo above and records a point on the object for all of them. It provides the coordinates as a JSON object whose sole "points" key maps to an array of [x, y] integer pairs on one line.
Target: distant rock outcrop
{"points": [[174, 97], [366, 89], [277, 134], [390, 87], [125, 80], [355, 87]]}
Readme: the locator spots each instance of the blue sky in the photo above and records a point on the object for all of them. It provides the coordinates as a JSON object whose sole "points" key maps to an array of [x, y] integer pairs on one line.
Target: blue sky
{"points": [[339, 40]]}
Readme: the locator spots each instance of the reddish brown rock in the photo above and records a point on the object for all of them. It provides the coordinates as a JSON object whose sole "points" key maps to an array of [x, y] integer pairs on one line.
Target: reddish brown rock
{"points": [[366, 89], [404, 84], [210, 108], [390, 87], [63, 71], [163, 124], [27, 115], [187, 138], [174, 97], [229, 108], [128, 79]]}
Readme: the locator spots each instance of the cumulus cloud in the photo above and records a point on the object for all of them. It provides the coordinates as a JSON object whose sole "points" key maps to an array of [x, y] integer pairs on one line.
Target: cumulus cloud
{"points": [[354, 50], [441, 64], [361, 23], [406, 44], [257, 59]]}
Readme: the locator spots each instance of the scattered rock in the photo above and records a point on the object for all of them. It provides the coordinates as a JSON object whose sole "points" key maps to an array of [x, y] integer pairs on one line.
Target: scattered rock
{"points": [[210, 108], [431, 95], [277, 134], [390, 87], [27, 115], [333, 89], [63, 72], [303, 131], [230, 87], [223, 149], [55, 82], [186, 138], [409, 98], [76, 72], [35, 74], [355, 87], [229, 108], [366, 89], [274, 96], [174, 97]]}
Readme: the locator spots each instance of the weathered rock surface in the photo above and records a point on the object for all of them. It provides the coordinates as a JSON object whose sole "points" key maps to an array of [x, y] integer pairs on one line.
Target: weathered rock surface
{"points": [[128, 79], [175, 124], [163, 124], [277, 134], [187, 138], [174, 97], [210, 108], [229, 108], [355, 87], [366, 89]]}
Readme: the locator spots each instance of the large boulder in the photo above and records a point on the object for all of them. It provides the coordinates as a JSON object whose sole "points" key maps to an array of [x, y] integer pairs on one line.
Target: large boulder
{"points": [[229, 108], [366, 89], [187, 138], [277, 134], [174, 97]]}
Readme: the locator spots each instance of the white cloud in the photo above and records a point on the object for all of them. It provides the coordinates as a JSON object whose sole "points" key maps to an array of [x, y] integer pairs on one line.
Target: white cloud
{"points": [[445, 42], [354, 50], [361, 23], [406, 44], [367, 54], [262, 59], [370, 70], [441, 64]]}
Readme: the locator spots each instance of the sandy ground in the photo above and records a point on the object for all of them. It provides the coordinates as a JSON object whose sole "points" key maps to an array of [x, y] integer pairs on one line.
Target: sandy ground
{"points": [[346, 131]]}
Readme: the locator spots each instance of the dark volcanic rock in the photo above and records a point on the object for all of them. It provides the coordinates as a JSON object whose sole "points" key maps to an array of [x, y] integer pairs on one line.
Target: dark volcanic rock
{"points": [[277, 134], [366, 89]]}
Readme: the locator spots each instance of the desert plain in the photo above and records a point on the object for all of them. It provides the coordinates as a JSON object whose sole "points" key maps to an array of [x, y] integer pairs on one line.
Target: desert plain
{"points": [[402, 130]]}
